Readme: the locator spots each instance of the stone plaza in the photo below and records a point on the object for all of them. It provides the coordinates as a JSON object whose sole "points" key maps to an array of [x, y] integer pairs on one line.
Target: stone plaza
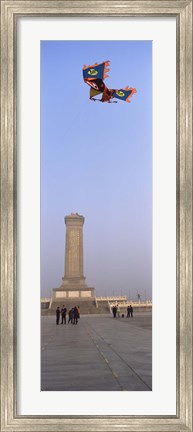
{"points": [[101, 353]]}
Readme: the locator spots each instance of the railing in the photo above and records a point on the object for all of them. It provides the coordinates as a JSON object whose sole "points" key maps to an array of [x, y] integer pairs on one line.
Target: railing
{"points": [[148, 303], [112, 298], [122, 301], [45, 299]]}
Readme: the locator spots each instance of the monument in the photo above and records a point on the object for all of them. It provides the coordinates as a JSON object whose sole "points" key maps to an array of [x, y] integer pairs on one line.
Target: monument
{"points": [[73, 290]]}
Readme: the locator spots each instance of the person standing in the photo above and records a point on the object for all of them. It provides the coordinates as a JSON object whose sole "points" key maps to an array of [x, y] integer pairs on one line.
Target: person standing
{"points": [[131, 311], [128, 311], [118, 310], [75, 321], [57, 315], [114, 311], [70, 315], [63, 312], [78, 311]]}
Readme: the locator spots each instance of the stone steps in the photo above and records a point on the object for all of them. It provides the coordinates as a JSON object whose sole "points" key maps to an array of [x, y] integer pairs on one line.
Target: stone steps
{"points": [[86, 307]]}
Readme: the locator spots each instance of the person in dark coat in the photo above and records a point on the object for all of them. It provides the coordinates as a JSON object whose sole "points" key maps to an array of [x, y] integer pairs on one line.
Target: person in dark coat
{"points": [[63, 312], [76, 315], [114, 311], [57, 315], [70, 315], [131, 311], [128, 311]]}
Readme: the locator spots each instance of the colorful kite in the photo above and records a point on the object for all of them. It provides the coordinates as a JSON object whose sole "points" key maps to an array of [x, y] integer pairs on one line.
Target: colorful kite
{"points": [[94, 76]]}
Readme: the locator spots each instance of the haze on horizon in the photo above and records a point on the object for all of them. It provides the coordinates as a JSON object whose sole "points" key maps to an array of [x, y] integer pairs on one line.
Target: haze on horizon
{"points": [[96, 160]]}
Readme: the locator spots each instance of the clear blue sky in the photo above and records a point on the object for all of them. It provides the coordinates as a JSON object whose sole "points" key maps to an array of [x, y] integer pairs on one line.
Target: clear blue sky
{"points": [[96, 160]]}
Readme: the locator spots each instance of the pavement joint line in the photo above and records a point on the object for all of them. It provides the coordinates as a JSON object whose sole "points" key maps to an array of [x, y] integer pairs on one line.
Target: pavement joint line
{"points": [[130, 367], [102, 355]]}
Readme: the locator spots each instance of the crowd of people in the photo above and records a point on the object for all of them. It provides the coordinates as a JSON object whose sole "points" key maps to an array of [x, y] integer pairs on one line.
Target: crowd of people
{"points": [[116, 311], [73, 315]]}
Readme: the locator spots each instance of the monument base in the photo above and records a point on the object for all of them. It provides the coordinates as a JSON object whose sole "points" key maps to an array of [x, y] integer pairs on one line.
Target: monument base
{"points": [[75, 295]]}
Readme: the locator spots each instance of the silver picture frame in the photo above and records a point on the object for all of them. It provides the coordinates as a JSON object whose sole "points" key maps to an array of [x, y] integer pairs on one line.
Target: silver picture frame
{"points": [[11, 10]]}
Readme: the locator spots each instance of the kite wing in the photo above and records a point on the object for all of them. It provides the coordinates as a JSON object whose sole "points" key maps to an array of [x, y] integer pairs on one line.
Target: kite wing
{"points": [[124, 94], [96, 71], [94, 92]]}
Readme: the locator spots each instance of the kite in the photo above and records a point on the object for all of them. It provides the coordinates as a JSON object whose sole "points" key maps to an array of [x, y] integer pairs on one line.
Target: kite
{"points": [[94, 76]]}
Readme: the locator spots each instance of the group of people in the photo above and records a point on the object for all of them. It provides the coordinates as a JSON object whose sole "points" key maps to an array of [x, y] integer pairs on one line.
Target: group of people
{"points": [[116, 311], [129, 311], [73, 315]]}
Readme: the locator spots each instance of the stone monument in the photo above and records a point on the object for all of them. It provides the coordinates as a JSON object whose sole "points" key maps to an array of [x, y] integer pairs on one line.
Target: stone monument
{"points": [[73, 290]]}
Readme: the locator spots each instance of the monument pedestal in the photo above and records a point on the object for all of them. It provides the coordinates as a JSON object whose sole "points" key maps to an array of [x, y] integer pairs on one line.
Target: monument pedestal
{"points": [[76, 292], [73, 290], [82, 297]]}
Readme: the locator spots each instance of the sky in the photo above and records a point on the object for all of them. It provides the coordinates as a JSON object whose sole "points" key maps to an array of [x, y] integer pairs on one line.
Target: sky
{"points": [[96, 160]]}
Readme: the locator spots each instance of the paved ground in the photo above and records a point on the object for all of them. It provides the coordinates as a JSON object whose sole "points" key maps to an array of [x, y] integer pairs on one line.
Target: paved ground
{"points": [[100, 353]]}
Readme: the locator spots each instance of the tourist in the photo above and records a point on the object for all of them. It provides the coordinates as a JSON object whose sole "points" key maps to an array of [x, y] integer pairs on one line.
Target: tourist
{"points": [[131, 311], [128, 311], [63, 312], [57, 315], [78, 311], [114, 311], [118, 310], [75, 320], [70, 315]]}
